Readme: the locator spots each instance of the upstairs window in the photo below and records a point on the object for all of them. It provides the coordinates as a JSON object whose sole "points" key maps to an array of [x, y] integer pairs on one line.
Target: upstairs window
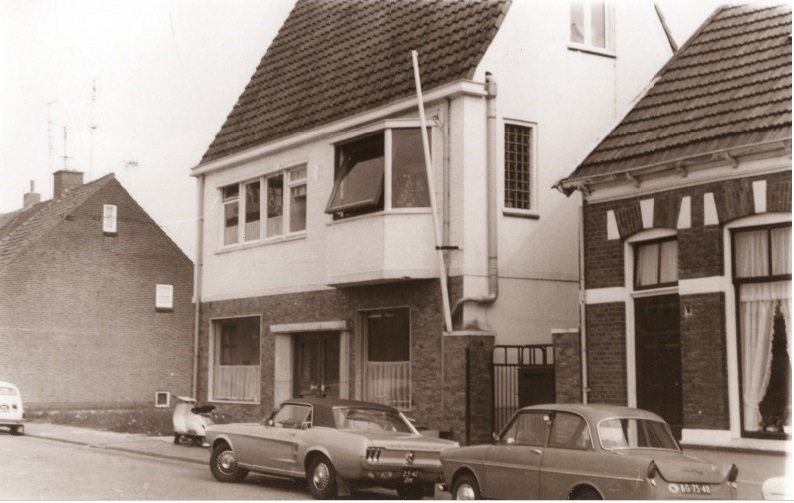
{"points": [[283, 215], [591, 25], [519, 168], [365, 165], [109, 212], [656, 264], [164, 297]]}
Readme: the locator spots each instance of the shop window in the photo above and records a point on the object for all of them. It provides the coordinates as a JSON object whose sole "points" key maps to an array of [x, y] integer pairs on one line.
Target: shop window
{"points": [[388, 362], [656, 264], [236, 360], [362, 167], [762, 278]]}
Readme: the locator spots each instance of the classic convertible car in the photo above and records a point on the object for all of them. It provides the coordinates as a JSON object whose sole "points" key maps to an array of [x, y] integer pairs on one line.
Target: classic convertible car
{"points": [[334, 445], [580, 451]]}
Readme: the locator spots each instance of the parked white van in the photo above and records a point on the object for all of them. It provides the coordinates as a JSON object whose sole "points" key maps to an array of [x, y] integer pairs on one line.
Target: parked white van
{"points": [[12, 414]]}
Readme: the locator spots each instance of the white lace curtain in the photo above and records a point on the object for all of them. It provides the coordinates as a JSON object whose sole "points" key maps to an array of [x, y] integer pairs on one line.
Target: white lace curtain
{"points": [[657, 263], [389, 383], [236, 382]]}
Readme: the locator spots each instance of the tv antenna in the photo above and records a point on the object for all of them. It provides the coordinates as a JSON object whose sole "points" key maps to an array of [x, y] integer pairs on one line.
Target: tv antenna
{"points": [[49, 132], [64, 156], [92, 127]]}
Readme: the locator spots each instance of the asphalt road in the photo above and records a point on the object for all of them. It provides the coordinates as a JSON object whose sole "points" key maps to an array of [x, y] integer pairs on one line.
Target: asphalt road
{"points": [[38, 469]]}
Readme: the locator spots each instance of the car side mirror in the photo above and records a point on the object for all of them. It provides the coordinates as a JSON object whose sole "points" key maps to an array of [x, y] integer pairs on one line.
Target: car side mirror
{"points": [[495, 437], [270, 422]]}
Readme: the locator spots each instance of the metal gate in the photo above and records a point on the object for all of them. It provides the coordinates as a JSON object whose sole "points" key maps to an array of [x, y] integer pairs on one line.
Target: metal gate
{"points": [[521, 376]]}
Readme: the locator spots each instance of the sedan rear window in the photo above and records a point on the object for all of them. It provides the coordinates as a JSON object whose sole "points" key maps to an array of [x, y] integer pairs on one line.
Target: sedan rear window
{"points": [[8, 391], [630, 433], [362, 419]]}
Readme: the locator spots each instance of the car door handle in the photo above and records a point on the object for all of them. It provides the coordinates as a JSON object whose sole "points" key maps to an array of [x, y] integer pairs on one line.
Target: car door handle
{"points": [[536, 451]]}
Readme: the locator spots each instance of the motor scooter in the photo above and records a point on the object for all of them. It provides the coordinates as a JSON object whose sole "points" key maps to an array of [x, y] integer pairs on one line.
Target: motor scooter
{"points": [[191, 420]]}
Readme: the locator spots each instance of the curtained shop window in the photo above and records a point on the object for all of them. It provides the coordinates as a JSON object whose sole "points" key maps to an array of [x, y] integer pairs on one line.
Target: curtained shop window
{"points": [[388, 360], [235, 369], [762, 276]]}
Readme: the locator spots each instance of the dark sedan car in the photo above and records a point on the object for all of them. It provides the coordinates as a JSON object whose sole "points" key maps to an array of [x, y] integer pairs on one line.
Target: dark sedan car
{"points": [[577, 451], [333, 444]]}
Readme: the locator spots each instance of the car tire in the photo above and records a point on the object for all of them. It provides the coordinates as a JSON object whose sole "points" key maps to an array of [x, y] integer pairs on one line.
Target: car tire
{"points": [[17, 430], [176, 438], [223, 465], [466, 488], [321, 478], [586, 493], [411, 491]]}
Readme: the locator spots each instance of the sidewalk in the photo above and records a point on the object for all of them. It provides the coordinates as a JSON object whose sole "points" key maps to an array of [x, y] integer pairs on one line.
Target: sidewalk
{"points": [[159, 447]]}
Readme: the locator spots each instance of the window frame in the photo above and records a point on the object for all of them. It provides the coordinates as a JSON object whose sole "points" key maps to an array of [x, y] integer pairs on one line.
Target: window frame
{"points": [[609, 29], [215, 332], [635, 250], [264, 180], [385, 129], [166, 292], [110, 222], [533, 210]]}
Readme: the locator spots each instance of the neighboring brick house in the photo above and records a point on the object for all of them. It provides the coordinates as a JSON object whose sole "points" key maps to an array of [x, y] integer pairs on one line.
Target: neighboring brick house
{"points": [[687, 239], [318, 265], [95, 300]]}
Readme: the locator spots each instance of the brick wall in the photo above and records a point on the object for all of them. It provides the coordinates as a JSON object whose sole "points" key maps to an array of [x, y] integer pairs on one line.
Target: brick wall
{"points": [[567, 367], [78, 324], [480, 349], [424, 299], [606, 353]]}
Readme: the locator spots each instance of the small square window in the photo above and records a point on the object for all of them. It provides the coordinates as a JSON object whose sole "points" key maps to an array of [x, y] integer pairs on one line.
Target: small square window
{"points": [[162, 399], [164, 299], [109, 212]]}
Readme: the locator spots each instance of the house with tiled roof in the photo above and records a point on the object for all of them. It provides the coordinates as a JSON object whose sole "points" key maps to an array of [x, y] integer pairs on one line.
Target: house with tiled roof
{"points": [[687, 239], [95, 300], [330, 263]]}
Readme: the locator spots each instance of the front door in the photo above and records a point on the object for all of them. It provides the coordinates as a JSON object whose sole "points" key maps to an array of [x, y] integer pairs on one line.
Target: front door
{"points": [[658, 347], [317, 364]]}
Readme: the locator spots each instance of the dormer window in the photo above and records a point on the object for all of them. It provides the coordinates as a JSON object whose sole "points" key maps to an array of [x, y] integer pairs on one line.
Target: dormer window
{"points": [[109, 212], [364, 165]]}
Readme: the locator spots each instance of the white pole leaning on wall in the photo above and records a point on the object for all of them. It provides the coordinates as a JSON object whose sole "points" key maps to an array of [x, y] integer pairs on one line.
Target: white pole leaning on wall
{"points": [[442, 271]]}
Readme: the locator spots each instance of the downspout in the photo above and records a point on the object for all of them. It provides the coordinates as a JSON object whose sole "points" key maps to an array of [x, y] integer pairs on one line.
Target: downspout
{"points": [[197, 270], [582, 301], [446, 239], [493, 267]]}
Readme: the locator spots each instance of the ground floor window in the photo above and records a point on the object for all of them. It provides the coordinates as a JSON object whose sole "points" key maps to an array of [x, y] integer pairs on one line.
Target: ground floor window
{"points": [[236, 359], [762, 275], [387, 366]]}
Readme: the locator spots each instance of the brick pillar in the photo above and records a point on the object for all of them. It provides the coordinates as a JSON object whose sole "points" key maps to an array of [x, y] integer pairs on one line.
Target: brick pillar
{"points": [[567, 365], [472, 386]]}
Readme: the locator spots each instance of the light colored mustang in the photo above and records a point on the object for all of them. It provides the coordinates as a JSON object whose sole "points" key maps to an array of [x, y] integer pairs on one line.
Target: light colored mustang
{"points": [[334, 445], [579, 451]]}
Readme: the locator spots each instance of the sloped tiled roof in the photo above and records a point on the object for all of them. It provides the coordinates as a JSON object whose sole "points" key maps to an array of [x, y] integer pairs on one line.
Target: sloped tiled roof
{"points": [[335, 58], [729, 86], [20, 229]]}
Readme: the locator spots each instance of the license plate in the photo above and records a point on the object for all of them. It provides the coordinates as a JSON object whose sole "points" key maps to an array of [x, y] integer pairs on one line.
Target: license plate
{"points": [[690, 488], [409, 475]]}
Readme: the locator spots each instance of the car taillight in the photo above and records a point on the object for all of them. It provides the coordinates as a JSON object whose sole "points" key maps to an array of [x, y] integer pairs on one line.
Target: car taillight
{"points": [[373, 454], [733, 473]]}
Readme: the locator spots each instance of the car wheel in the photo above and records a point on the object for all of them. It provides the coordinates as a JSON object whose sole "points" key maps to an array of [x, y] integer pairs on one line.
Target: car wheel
{"points": [[223, 465], [17, 430], [176, 438], [322, 479], [586, 493], [466, 488], [411, 491]]}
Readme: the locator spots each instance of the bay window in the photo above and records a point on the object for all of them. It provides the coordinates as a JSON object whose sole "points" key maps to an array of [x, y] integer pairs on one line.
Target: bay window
{"points": [[236, 356], [365, 167], [387, 352], [762, 278]]}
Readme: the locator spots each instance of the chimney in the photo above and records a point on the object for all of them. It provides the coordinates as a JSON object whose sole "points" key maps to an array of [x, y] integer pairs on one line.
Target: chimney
{"points": [[31, 197], [64, 181]]}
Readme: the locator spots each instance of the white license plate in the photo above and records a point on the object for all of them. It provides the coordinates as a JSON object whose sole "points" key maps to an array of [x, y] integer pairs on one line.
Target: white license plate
{"points": [[690, 488], [409, 475]]}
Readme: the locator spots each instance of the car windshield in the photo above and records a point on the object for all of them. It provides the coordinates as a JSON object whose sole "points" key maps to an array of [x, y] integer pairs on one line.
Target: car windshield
{"points": [[8, 391], [632, 433], [363, 419]]}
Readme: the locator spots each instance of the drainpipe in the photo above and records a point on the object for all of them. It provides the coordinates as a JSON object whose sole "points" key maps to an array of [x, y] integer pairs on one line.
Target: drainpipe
{"points": [[582, 304], [197, 270], [493, 268], [442, 270]]}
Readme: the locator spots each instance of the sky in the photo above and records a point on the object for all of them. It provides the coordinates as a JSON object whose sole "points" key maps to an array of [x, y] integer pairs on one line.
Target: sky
{"points": [[139, 88]]}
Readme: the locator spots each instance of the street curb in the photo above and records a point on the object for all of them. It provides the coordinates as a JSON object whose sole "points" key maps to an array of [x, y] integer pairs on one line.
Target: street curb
{"points": [[119, 449]]}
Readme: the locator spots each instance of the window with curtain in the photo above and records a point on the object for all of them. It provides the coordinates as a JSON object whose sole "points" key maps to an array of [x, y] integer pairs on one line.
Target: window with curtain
{"points": [[656, 264], [591, 24], [762, 277], [231, 213], [388, 360], [235, 366]]}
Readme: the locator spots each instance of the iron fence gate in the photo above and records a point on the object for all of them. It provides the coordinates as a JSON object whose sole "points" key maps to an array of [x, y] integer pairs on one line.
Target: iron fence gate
{"points": [[521, 376]]}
